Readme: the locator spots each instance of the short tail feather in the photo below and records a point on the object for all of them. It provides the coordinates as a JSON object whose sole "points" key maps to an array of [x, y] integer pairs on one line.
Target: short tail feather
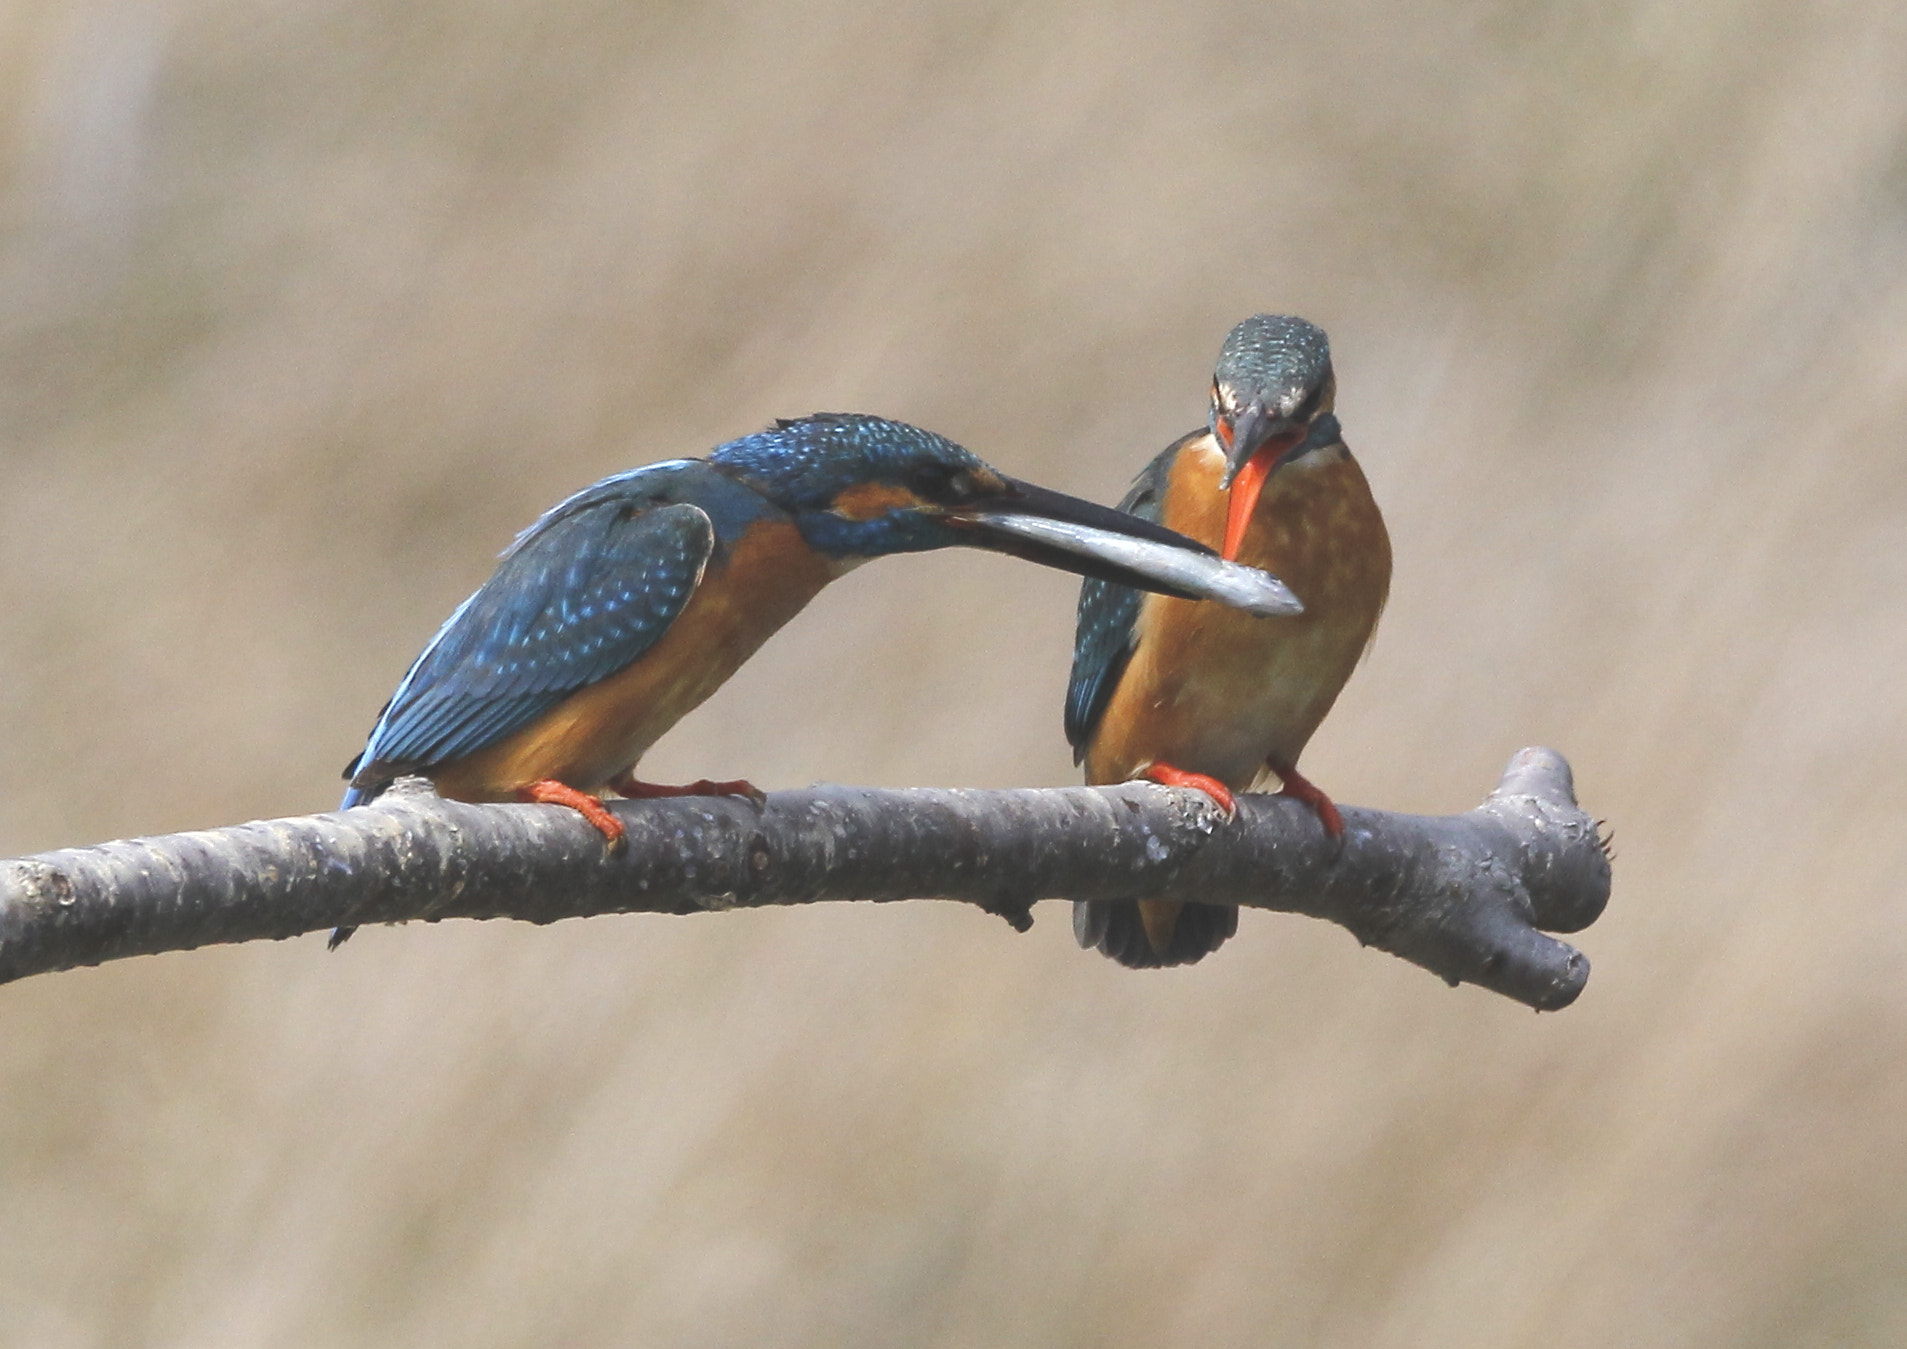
{"points": [[1115, 927], [354, 795]]}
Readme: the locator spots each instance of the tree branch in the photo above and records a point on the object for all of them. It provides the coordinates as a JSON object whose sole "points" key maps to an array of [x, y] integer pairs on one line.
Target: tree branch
{"points": [[1468, 896]]}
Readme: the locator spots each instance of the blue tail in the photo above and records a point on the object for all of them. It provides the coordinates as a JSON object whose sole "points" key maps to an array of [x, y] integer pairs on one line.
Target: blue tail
{"points": [[354, 795], [1115, 927]]}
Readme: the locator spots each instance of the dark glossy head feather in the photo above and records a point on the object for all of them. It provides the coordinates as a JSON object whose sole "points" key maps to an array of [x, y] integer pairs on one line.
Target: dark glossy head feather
{"points": [[808, 463], [857, 485], [1280, 363], [1272, 381]]}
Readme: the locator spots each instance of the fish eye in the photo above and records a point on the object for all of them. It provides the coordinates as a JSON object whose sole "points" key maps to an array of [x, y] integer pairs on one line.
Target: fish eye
{"points": [[944, 484]]}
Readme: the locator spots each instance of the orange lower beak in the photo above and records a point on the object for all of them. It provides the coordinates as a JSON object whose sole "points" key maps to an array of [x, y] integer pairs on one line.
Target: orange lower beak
{"points": [[1246, 486]]}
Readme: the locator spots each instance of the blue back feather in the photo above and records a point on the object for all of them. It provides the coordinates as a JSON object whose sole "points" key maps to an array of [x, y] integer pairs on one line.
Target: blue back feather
{"points": [[581, 593], [1108, 613], [595, 582]]}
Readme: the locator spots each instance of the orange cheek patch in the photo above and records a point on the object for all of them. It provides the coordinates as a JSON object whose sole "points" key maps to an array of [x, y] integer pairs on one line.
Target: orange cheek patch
{"points": [[865, 500]]}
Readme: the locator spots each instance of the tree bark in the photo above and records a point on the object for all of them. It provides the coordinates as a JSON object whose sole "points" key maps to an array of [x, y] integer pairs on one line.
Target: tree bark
{"points": [[1468, 897]]}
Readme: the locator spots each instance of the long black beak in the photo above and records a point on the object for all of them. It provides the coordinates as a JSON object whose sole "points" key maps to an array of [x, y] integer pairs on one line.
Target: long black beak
{"points": [[1056, 530], [1252, 429]]}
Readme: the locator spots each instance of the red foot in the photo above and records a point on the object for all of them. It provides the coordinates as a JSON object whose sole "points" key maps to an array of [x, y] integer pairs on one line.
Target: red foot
{"points": [[626, 783], [551, 793], [1167, 776], [1300, 788]]}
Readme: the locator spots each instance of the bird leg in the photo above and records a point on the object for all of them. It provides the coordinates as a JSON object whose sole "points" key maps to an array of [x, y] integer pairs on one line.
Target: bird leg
{"points": [[627, 784], [1300, 788], [552, 793], [1167, 776]]}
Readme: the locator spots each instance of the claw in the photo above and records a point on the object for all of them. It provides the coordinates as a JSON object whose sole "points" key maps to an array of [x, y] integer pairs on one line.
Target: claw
{"points": [[627, 784], [1300, 788], [1167, 776], [552, 793]]}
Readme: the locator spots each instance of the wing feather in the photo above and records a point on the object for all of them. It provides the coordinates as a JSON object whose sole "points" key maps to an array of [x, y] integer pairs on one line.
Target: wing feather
{"points": [[1109, 616], [580, 594]]}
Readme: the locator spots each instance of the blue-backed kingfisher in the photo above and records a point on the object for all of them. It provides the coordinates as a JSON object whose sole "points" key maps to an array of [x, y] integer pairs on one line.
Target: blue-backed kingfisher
{"points": [[627, 605], [1196, 696]]}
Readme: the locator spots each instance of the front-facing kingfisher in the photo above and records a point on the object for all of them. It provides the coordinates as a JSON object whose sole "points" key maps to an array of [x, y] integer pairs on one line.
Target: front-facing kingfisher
{"points": [[628, 604], [1195, 696]]}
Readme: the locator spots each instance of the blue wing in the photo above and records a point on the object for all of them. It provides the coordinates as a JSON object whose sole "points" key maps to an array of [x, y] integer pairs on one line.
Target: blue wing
{"points": [[581, 593], [1108, 613]]}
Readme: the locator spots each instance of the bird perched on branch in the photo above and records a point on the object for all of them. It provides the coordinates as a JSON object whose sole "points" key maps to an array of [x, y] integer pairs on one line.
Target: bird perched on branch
{"points": [[1194, 696], [627, 605]]}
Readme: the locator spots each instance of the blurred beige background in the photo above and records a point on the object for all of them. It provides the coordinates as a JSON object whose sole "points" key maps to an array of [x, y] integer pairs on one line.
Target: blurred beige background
{"points": [[306, 307]]}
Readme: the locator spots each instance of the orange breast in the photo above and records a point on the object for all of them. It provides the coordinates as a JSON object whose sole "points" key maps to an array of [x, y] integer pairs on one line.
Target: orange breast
{"points": [[597, 732], [1215, 691]]}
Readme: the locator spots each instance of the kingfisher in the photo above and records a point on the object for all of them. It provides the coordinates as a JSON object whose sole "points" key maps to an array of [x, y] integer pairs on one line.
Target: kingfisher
{"points": [[1197, 696], [624, 607]]}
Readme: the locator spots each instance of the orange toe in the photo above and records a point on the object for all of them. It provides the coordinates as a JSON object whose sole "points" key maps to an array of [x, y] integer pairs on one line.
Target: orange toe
{"points": [[627, 784], [551, 793], [1300, 788], [1167, 776]]}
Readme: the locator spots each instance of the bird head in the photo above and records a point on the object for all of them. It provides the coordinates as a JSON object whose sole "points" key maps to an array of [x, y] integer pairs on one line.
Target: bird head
{"points": [[859, 487], [1272, 385]]}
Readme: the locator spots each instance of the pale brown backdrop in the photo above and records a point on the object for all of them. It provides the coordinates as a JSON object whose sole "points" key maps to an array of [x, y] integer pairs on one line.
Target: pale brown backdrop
{"points": [[306, 306]]}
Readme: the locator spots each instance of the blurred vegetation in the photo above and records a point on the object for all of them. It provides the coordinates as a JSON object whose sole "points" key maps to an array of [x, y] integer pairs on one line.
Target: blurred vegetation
{"points": [[305, 308]]}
